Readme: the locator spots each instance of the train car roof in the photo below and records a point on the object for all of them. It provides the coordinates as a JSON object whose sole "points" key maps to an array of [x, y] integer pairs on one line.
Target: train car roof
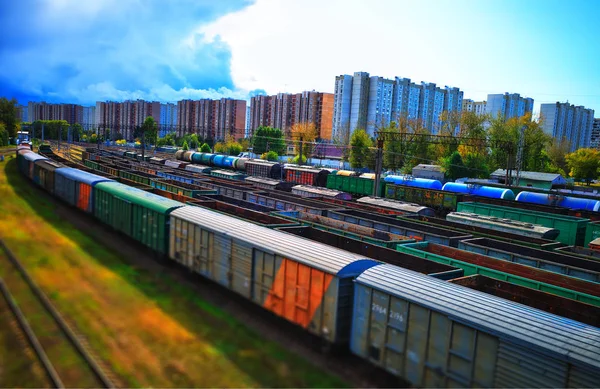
{"points": [[546, 332], [320, 256]]}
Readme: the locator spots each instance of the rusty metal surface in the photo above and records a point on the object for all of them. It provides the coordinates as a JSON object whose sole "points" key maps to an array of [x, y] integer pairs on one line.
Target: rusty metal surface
{"points": [[547, 302]]}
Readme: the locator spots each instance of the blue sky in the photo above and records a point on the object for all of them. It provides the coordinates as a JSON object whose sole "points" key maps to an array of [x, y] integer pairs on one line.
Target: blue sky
{"points": [[87, 50]]}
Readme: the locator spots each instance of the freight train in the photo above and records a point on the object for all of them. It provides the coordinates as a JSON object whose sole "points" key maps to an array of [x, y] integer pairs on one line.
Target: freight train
{"points": [[429, 331], [426, 192]]}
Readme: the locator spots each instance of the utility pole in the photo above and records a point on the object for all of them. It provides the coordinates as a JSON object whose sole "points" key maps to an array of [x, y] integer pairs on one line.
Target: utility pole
{"points": [[42, 132], [378, 167], [300, 155], [520, 155]]}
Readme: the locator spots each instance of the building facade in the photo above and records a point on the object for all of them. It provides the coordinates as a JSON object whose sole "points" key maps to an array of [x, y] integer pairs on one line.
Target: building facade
{"points": [[564, 120], [284, 110], [508, 105], [212, 118], [595, 135], [89, 118], [479, 107], [168, 119], [72, 113], [361, 101]]}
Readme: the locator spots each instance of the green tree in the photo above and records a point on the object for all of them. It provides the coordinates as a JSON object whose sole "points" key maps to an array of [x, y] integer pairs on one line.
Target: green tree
{"points": [[194, 141], [476, 165], [270, 156], [8, 115], [419, 150], [149, 130], [454, 166], [394, 149], [308, 132], [360, 153], [268, 138], [205, 148], [584, 164], [557, 151], [3, 135], [450, 121], [296, 159], [185, 146], [77, 131]]}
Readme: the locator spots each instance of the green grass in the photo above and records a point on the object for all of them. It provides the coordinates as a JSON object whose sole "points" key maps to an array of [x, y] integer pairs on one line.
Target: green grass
{"points": [[152, 331]]}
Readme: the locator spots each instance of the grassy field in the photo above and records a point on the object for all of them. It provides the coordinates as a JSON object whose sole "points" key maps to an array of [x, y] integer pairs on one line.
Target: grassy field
{"points": [[151, 330]]}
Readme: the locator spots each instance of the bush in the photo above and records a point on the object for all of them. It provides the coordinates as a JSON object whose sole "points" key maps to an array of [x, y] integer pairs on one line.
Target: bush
{"points": [[185, 146], [297, 158], [270, 156], [205, 148], [3, 137]]}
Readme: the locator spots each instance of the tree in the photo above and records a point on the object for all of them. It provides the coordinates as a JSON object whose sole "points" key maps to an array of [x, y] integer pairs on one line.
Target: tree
{"points": [[77, 131], [8, 116], [194, 141], [584, 164], [270, 156], [557, 150], [394, 150], [149, 130], [185, 146], [454, 166], [360, 145], [205, 148], [472, 126], [419, 150], [267, 139], [308, 133], [450, 121], [3, 135], [296, 160], [476, 165]]}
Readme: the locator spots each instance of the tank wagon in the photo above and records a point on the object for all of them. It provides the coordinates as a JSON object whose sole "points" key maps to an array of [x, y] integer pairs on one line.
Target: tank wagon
{"points": [[478, 190], [504, 225], [414, 182], [558, 200]]}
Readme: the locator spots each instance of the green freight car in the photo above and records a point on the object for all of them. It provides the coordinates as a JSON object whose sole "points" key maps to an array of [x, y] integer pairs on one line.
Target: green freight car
{"points": [[473, 263], [592, 232], [136, 213], [355, 185], [572, 229], [182, 188], [441, 201]]}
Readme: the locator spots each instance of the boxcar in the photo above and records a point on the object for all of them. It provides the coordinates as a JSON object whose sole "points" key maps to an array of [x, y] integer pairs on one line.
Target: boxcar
{"points": [[43, 173], [572, 229], [592, 232], [136, 213], [548, 260], [306, 175], [304, 282], [359, 186], [76, 187], [442, 201], [260, 168], [436, 334], [28, 159], [528, 276]]}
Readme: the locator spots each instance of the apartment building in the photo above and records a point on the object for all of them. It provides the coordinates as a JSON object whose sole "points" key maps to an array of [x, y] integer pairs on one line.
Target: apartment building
{"points": [[284, 110], [212, 118], [362, 101], [479, 107], [508, 105], [564, 120]]}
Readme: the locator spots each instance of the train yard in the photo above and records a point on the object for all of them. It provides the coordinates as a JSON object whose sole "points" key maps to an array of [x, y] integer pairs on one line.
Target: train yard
{"points": [[468, 301]]}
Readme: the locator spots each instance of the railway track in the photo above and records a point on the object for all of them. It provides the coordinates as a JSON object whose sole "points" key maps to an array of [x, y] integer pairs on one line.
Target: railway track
{"points": [[48, 333]]}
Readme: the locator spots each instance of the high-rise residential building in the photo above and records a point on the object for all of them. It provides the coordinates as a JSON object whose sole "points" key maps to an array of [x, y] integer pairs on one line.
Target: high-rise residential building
{"points": [[508, 105], [247, 125], [368, 102], [22, 113], [564, 120], [474, 106], [89, 118], [72, 113], [212, 118], [284, 110], [595, 137], [168, 119]]}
